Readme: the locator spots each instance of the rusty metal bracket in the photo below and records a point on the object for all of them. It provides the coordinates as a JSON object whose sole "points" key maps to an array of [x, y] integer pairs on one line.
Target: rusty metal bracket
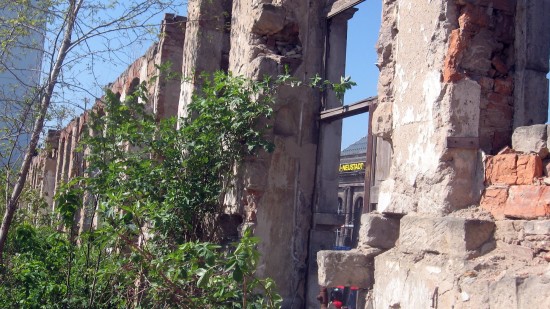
{"points": [[463, 142]]}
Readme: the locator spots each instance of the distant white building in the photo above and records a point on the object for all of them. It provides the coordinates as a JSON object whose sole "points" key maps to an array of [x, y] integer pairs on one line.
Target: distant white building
{"points": [[20, 67]]}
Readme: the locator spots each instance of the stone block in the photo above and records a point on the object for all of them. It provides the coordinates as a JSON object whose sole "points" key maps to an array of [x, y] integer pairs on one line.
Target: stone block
{"points": [[546, 168], [533, 292], [268, 19], [444, 235], [378, 231], [510, 231], [531, 139], [528, 202], [406, 281], [537, 227], [347, 268]]}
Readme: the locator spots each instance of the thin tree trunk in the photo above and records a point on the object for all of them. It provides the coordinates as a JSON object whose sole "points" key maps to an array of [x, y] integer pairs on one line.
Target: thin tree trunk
{"points": [[11, 207]]}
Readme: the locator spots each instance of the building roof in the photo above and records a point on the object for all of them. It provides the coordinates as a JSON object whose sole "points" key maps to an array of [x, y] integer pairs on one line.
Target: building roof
{"points": [[359, 147]]}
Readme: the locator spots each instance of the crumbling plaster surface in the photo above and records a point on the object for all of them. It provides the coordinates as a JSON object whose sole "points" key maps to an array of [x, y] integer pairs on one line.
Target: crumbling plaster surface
{"points": [[425, 175], [275, 190]]}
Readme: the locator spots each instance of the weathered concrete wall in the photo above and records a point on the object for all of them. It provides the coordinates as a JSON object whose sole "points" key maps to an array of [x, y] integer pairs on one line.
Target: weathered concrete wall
{"points": [[207, 46], [60, 161], [424, 112], [275, 190], [447, 75]]}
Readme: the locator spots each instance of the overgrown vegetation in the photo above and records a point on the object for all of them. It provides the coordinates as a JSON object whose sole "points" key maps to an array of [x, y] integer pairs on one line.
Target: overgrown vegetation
{"points": [[138, 229], [155, 191]]}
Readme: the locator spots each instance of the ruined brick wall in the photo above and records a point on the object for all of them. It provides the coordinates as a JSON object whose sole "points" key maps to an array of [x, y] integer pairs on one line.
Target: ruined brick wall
{"points": [[457, 77], [60, 161], [448, 79]]}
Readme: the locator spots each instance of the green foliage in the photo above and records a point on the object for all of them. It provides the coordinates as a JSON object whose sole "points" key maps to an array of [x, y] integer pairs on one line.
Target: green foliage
{"points": [[155, 190], [149, 180]]}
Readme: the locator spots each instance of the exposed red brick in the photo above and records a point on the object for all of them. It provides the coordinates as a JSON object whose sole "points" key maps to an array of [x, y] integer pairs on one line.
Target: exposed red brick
{"points": [[486, 83], [504, 86], [512, 169], [528, 167], [528, 202], [494, 199], [501, 169], [504, 28], [497, 117], [498, 99], [499, 65], [457, 44], [473, 18]]}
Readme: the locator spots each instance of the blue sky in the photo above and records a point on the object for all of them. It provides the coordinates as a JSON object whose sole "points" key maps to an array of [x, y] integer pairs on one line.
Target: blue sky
{"points": [[360, 65]]}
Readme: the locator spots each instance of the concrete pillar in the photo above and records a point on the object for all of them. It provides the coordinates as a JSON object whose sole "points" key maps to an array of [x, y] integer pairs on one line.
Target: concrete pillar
{"points": [[167, 91], [532, 49], [59, 164], [275, 191], [206, 46], [439, 54]]}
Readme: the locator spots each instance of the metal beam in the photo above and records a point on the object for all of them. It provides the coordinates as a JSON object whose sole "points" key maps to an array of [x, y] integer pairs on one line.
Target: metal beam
{"points": [[341, 5], [347, 110]]}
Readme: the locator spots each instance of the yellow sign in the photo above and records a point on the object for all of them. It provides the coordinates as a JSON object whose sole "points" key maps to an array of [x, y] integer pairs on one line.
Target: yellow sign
{"points": [[350, 167]]}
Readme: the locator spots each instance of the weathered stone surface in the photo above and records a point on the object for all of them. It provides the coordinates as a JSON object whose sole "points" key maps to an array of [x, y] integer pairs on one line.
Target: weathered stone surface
{"points": [[528, 202], [347, 268], [510, 231], [378, 231], [382, 121], [406, 280], [444, 235], [402, 282], [532, 45], [537, 227], [530, 139], [533, 292], [268, 19]]}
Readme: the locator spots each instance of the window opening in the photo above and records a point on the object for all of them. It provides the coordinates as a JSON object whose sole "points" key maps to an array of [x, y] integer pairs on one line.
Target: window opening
{"points": [[360, 66], [353, 27]]}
